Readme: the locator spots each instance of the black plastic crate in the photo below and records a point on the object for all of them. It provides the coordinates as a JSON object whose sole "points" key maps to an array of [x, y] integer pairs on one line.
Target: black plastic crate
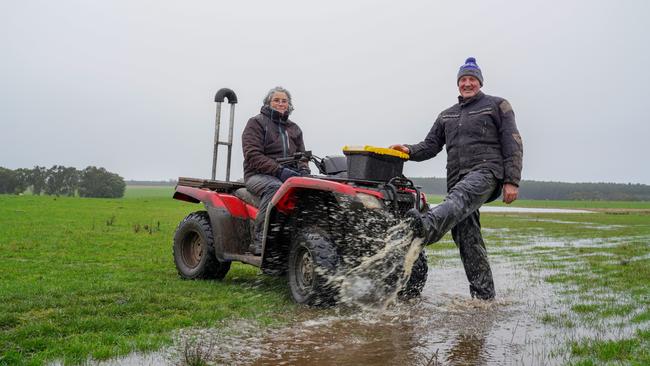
{"points": [[368, 165]]}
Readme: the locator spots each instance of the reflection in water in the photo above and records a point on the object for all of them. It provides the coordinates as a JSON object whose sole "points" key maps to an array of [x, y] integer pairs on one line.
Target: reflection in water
{"points": [[348, 340], [468, 349]]}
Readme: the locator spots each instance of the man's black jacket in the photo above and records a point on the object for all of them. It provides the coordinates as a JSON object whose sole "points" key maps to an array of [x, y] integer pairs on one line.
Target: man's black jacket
{"points": [[480, 133]]}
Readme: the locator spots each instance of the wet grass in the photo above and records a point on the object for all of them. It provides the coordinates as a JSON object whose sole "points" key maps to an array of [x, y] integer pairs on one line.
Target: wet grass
{"points": [[632, 351], [79, 281], [94, 279], [601, 261]]}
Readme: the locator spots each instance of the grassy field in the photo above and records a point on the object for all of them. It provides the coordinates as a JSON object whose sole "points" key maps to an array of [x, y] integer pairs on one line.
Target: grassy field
{"points": [[94, 278], [149, 191]]}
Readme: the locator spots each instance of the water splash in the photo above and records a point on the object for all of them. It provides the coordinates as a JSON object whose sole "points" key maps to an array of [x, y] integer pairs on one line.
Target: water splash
{"points": [[378, 278]]}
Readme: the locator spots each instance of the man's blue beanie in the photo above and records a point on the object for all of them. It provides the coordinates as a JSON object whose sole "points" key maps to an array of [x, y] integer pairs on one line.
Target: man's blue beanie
{"points": [[470, 68]]}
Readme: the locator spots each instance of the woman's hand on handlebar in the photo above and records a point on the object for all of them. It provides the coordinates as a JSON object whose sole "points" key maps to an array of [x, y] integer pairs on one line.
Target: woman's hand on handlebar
{"points": [[286, 173]]}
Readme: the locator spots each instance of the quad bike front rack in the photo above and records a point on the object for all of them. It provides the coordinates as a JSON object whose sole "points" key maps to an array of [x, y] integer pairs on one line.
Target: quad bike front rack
{"points": [[232, 100]]}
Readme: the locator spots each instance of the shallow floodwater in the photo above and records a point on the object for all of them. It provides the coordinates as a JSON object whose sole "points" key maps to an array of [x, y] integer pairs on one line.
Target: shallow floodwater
{"points": [[444, 327]]}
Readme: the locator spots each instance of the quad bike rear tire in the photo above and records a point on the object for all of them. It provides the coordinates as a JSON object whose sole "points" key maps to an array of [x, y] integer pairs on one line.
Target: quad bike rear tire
{"points": [[194, 253], [416, 282], [312, 260]]}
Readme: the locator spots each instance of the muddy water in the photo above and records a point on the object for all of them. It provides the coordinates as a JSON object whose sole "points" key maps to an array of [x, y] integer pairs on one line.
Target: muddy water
{"points": [[374, 283], [444, 327]]}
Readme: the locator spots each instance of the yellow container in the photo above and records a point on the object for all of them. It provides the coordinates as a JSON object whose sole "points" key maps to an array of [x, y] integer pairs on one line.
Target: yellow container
{"points": [[374, 163]]}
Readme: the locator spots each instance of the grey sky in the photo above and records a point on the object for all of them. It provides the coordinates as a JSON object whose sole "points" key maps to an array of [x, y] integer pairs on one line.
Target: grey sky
{"points": [[129, 85]]}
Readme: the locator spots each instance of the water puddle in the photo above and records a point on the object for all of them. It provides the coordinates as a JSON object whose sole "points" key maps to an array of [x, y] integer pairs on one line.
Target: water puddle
{"points": [[442, 327], [539, 243], [578, 224]]}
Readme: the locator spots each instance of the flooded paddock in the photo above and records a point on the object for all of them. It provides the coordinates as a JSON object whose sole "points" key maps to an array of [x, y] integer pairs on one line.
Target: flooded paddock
{"points": [[443, 327]]}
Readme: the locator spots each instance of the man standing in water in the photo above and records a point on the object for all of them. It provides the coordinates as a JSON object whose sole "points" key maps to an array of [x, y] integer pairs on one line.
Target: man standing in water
{"points": [[484, 156]]}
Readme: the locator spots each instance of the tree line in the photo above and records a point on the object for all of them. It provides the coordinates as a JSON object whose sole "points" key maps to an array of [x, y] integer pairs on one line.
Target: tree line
{"points": [[62, 181], [541, 190]]}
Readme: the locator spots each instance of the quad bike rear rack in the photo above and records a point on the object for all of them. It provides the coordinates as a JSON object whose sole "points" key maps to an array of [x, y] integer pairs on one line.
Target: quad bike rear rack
{"points": [[213, 185]]}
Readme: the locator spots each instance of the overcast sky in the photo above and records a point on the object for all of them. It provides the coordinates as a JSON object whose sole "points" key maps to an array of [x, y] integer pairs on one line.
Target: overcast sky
{"points": [[129, 85]]}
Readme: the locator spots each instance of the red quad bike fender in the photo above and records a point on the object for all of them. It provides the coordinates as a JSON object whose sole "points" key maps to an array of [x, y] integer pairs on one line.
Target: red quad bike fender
{"points": [[230, 218], [235, 206], [284, 198]]}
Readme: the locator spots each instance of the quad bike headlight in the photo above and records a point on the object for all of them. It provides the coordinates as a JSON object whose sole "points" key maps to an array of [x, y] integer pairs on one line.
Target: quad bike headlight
{"points": [[369, 201]]}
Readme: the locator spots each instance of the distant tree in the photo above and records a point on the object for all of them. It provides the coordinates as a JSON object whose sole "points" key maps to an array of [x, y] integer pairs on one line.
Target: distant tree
{"points": [[22, 180], [538, 190], [8, 181], [54, 180], [61, 181], [70, 181], [98, 182], [37, 179]]}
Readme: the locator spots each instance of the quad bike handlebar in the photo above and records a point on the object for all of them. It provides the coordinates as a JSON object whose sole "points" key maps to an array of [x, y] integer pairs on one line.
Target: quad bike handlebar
{"points": [[299, 156], [303, 156]]}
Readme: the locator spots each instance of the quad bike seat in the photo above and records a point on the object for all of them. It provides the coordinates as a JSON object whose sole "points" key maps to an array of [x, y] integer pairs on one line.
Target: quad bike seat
{"points": [[248, 197]]}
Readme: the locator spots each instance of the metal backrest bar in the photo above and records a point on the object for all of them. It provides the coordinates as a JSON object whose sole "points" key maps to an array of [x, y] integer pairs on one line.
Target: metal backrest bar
{"points": [[232, 100]]}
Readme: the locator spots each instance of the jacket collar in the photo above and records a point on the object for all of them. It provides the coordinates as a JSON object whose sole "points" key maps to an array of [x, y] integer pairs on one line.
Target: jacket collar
{"points": [[463, 102], [274, 115]]}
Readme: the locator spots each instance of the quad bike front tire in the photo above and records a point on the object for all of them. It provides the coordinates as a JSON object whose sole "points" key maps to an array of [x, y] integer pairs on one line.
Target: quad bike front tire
{"points": [[312, 260], [194, 253], [416, 282]]}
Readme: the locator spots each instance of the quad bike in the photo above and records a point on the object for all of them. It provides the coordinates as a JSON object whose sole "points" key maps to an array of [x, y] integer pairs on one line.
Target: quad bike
{"points": [[312, 225]]}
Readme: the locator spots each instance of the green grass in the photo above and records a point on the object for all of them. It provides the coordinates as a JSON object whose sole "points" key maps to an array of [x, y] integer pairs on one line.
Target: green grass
{"points": [[79, 281], [627, 351], [148, 191], [95, 277]]}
